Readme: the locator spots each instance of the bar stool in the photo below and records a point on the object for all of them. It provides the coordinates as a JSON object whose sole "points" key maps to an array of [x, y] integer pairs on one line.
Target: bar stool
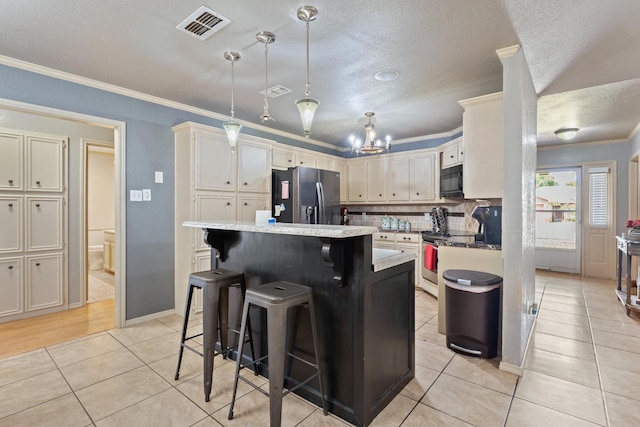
{"points": [[215, 286], [277, 298]]}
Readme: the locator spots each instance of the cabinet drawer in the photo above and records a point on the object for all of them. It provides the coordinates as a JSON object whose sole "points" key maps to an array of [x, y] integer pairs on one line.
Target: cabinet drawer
{"points": [[408, 238], [384, 237]]}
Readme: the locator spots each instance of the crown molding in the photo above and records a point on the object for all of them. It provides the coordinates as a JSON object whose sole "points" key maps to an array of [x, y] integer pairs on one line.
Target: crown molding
{"points": [[480, 99], [634, 132], [507, 52], [61, 75]]}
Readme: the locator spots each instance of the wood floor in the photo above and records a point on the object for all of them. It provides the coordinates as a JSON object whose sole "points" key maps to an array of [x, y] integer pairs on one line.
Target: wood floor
{"points": [[36, 332]]}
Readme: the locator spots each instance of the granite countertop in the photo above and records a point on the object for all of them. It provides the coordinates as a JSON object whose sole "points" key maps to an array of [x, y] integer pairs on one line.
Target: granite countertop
{"points": [[465, 242], [313, 230], [382, 259]]}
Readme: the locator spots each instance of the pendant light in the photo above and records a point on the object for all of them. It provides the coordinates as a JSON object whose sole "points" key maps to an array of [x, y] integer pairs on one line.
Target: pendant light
{"points": [[267, 38], [307, 105], [232, 128], [371, 145]]}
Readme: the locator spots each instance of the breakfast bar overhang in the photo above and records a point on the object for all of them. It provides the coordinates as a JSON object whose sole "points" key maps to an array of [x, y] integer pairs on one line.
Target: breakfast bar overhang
{"points": [[364, 301]]}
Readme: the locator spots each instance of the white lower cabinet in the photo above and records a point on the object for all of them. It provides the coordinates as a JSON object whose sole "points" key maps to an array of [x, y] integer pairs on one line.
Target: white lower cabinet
{"points": [[11, 286], [43, 285], [219, 206], [405, 242], [249, 204], [108, 254], [44, 219]]}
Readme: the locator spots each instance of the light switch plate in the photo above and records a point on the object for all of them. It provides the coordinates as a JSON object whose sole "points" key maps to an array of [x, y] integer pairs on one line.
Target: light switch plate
{"points": [[159, 176], [146, 194], [135, 195]]}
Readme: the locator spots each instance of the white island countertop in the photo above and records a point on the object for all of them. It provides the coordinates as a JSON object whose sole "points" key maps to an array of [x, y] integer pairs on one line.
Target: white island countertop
{"points": [[313, 230]]}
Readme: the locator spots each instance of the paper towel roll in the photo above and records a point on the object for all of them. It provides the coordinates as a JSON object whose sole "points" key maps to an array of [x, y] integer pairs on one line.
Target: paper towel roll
{"points": [[262, 217]]}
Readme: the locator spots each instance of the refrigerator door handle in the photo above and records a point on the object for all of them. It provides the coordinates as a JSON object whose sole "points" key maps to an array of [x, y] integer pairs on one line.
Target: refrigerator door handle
{"points": [[321, 210]]}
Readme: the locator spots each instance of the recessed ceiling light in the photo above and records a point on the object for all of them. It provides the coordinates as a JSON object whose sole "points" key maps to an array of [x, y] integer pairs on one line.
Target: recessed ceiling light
{"points": [[567, 133], [386, 75]]}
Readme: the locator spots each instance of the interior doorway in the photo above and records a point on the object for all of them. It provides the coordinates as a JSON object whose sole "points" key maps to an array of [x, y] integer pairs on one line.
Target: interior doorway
{"points": [[99, 209], [558, 220]]}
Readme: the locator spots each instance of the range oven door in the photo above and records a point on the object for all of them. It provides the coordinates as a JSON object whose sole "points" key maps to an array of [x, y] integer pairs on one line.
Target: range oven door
{"points": [[430, 263]]}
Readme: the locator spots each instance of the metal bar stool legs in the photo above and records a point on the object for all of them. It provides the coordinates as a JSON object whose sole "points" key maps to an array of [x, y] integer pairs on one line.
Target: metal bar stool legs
{"points": [[277, 298], [215, 286]]}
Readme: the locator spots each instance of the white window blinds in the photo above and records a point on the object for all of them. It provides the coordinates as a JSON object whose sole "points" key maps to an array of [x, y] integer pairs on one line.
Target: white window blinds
{"points": [[598, 197]]}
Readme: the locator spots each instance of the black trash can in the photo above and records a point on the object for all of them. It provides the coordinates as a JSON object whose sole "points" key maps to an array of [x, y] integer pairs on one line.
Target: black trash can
{"points": [[472, 306]]}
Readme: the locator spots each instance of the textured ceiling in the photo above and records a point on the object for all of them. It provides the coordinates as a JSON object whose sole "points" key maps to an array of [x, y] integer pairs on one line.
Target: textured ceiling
{"points": [[583, 56]]}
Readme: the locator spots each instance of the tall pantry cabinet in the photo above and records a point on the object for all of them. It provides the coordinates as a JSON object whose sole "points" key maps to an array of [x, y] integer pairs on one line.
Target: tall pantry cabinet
{"points": [[33, 212], [213, 183]]}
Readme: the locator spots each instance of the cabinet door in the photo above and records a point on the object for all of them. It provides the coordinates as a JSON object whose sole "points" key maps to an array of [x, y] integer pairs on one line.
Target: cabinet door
{"points": [[377, 180], [10, 161], [248, 205], [308, 160], [282, 159], [11, 220], [423, 177], [44, 228], [44, 164], [325, 163], [378, 244], [212, 207], [44, 281], [10, 286], [413, 248], [254, 167], [214, 163], [450, 156], [357, 181], [399, 175]]}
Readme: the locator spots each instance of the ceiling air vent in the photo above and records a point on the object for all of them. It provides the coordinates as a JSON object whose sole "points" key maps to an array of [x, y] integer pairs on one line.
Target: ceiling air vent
{"points": [[203, 23], [276, 91]]}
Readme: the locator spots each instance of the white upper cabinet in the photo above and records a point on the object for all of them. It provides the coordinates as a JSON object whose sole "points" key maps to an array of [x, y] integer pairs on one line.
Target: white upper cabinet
{"points": [[423, 177], [453, 155], [254, 166], [304, 159], [10, 161], [326, 164], [213, 163], [44, 164], [357, 181], [44, 228], [341, 166], [248, 205], [283, 159], [482, 127], [399, 178], [377, 179]]}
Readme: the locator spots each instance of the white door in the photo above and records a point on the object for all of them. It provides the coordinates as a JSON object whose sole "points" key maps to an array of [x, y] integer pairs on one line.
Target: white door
{"points": [[558, 231], [599, 226]]}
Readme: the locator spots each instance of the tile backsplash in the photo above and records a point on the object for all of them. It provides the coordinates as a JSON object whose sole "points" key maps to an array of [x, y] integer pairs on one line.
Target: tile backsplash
{"points": [[415, 214]]}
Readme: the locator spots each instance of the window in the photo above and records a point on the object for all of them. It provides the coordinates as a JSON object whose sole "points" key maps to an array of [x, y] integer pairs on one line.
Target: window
{"points": [[598, 197]]}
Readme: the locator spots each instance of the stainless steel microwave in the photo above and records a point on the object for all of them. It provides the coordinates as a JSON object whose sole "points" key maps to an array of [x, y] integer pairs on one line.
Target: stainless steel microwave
{"points": [[451, 183]]}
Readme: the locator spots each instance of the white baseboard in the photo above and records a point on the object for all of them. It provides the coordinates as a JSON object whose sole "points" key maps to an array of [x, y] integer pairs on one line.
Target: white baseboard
{"points": [[76, 305], [148, 317], [514, 369]]}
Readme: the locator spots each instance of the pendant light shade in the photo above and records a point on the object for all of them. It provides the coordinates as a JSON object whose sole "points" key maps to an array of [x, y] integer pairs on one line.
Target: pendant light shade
{"points": [[307, 105], [232, 128]]}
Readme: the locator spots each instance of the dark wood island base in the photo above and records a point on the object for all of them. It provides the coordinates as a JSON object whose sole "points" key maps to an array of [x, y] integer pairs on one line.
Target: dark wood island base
{"points": [[365, 319]]}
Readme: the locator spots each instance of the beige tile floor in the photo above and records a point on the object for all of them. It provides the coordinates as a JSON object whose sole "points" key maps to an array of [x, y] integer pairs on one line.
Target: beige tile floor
{"points": [[581, 370], [101, 286]]}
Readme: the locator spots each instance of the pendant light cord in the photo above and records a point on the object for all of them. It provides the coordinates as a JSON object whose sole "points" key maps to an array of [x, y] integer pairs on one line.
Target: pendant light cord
{"points": [[266, 48], [308, 86], [233, 63]]}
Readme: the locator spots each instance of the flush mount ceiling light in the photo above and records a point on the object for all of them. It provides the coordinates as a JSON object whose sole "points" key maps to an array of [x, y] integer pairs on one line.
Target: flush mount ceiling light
{"points": [[386, 75], [566, 134], [371, 145], [267, 38], [232, 128], [307, 105]]}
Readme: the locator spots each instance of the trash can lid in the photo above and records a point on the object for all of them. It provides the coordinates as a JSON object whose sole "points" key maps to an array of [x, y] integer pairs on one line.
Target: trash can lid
{"points": [[471, 277]]}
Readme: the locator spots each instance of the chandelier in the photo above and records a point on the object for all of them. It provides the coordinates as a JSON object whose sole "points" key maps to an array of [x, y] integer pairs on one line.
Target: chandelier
{"points": [[371, 145]]}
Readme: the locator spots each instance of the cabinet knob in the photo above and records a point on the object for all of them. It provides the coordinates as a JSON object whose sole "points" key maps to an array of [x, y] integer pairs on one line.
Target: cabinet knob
{"points": [[11, 182], [228, 182], [37, 264], [37, 182], [451, 157], [10, 205], [228, 203], [301, 162], [289, 160], [417, 194], [37, 205], [11, 267], [379, 195], [246, 183], [461, 153], [394, 194], [245, 203], [359, 195]]}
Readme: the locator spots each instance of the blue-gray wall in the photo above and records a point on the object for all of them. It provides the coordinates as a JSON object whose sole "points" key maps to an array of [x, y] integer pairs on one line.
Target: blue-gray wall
{"points": [[149, 147], [575, 154]]}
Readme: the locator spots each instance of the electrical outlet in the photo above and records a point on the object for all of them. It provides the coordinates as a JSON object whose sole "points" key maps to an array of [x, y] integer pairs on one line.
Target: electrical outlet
{"points": [[146, 194]]}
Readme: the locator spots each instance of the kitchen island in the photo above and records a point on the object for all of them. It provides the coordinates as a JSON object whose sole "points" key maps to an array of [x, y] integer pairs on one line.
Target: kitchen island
{"points": [[364, 307]]}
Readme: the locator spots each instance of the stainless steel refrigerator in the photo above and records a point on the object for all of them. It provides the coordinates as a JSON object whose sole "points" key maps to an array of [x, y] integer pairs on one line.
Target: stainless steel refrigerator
{"points": [[306, 196]]}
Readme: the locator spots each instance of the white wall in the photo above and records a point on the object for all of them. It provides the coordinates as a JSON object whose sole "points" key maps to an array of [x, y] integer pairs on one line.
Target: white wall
{"points": [[75, 131], [518, 207], [100, 194]]}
